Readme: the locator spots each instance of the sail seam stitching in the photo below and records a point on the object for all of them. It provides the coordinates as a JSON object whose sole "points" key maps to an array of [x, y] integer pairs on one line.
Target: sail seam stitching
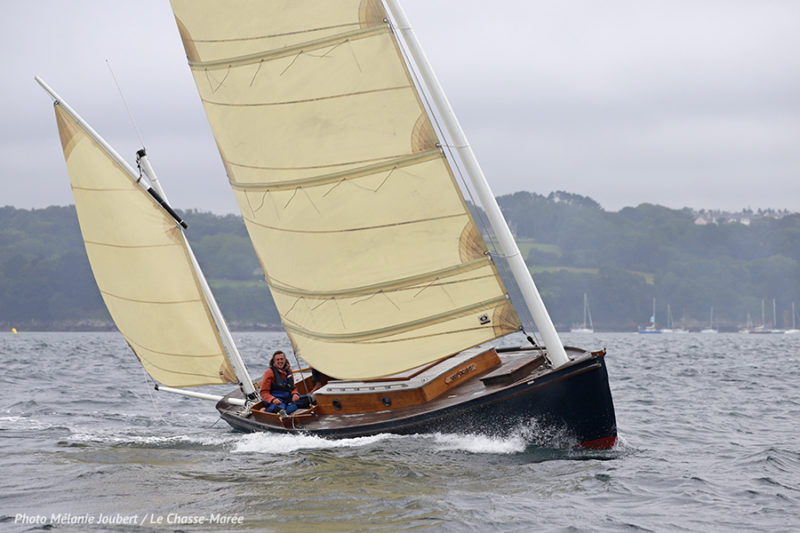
{"points": [[399, 328], [308, 100], [431, 335], [391, 286], [287, 51], [324, 179], [363, 228], [127, 299], [273, 35], [131, 246]]}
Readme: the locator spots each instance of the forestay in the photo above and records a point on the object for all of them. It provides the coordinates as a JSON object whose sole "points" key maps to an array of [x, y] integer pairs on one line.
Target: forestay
{"points": [[369, 249], [142, 267]]}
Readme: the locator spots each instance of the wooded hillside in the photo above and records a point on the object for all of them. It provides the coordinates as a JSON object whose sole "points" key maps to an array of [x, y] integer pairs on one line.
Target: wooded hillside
{"points": [[623, 260]]}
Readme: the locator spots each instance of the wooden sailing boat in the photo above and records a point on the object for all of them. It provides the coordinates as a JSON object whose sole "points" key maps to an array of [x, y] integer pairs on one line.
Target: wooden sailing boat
{"points": [[379, 271]]}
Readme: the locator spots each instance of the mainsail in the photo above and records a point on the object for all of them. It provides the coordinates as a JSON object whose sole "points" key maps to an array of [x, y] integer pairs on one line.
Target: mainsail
{"points": [[142, 267], [369, 249]]}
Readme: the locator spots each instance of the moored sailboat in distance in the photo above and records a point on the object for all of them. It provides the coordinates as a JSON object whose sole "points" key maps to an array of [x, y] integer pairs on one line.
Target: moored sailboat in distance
{"points": [[651, 327], [793, 330], [775, 328], [670, 325], [379, 271], [762, 329], [710, 328], [587, 327], [748, 325]]}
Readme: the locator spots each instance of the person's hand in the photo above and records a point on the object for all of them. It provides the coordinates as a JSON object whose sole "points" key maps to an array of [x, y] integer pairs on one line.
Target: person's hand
{"points": [[295, 397], [276, 401]]}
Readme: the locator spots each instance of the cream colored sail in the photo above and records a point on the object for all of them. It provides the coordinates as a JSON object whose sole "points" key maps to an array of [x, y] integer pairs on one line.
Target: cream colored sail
{"points": [[373, 259], [142, 268]]}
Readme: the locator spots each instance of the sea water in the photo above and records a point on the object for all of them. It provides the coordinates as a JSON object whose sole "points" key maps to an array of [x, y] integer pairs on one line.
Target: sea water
{"points": [[709, 431]]}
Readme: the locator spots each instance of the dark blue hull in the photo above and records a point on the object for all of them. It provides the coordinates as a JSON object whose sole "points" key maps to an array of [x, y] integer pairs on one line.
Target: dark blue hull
{"points": [[572, 404]]}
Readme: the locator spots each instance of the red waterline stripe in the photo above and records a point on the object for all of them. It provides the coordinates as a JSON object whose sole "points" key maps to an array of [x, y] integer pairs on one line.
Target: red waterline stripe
{"points": [[600, 444]]}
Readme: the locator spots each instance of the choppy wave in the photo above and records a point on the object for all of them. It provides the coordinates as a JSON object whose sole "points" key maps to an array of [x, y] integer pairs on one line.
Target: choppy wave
{"points": [[116, 438], [22, 423], [708, 442]]}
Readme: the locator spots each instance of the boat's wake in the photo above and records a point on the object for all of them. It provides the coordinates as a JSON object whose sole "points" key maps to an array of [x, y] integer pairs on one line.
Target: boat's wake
{"points": [[520, 440], [125, 438], [271, 443]]}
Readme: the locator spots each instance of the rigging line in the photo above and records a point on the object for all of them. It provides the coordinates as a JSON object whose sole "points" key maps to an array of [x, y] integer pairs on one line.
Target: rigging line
{"points": [[440, 285], [334, 186], [268, 193], [331, 49], [297, 301], [381, 292], [296, 57], [480, 214], [299, 371], [250, 203], [355, 57], [446, 145], [311, 201], [532, 338], [150, 388], [482, 218], [125, 103], [211, 85], [256, 72], [339, 311], [291, 198], [321, 303], [370, 189], [426, 286]]}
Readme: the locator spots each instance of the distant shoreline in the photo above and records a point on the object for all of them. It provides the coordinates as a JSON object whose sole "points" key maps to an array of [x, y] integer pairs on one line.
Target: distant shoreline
{"points": [[62, 326]]}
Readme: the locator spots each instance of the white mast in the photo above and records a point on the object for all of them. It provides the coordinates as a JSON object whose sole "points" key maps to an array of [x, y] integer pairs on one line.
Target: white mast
{"points": [[245, 382], [774, 315], [587, 311], [531, 296]]}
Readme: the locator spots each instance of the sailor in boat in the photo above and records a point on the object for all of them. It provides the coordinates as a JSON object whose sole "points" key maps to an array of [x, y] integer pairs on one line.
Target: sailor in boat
{"points": [[278, 389]]}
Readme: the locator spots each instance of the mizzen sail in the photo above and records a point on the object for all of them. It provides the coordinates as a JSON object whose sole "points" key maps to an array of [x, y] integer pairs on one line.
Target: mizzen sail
{"points": [[369, 249], [142, 267]]}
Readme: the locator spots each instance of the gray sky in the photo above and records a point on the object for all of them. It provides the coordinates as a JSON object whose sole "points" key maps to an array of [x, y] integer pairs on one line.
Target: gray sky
{"points": [[681, 103]]}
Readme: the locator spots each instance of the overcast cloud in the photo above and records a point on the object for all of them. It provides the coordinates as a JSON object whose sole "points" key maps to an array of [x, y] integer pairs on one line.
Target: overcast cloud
{"points": [[680, 103]]}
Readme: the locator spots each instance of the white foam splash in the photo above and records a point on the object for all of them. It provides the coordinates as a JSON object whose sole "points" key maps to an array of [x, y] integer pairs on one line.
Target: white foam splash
{"points": [[485, 444], [23, 423], [271, 443], [104, 437]]}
